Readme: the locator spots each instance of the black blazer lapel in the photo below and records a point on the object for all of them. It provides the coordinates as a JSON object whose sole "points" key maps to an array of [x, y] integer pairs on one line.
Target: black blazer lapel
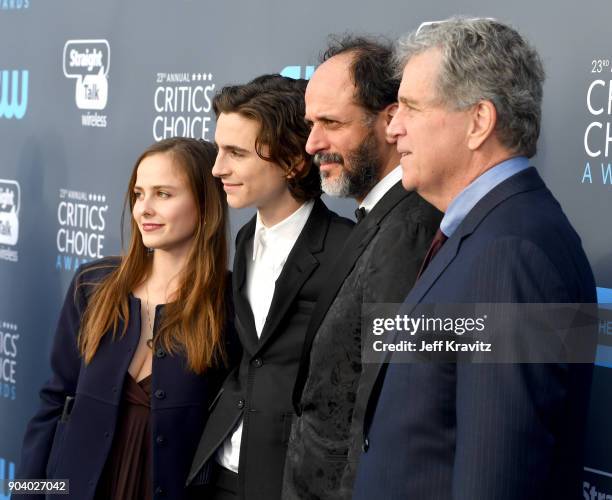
{"points": [[245, 322], [350, 253], [357, 242], [359, 239], [301, 263]]}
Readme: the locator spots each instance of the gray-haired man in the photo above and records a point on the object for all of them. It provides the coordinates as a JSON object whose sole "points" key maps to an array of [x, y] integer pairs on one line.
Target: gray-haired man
{"points": [[468, 120]]}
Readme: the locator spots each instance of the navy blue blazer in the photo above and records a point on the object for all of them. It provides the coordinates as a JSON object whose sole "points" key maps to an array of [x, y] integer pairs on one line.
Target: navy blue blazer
{"points": [[76, 447], [503, 432]]}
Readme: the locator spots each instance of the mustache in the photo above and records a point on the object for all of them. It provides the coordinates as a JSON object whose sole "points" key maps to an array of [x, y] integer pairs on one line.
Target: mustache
{"points": [[320, 158]]}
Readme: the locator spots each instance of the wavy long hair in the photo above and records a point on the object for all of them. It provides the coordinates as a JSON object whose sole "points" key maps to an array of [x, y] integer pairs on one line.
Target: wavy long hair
{"points": [[193, 322], [277, 103]]}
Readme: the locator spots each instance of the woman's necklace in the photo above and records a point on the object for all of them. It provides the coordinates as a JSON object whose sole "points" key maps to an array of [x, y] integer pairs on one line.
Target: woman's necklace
{"points": [[149, 322]]}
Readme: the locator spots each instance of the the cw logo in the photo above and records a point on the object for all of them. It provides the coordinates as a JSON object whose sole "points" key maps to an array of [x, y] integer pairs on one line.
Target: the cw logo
{"points": [[297, 72], [4, 478], [12, 104]]}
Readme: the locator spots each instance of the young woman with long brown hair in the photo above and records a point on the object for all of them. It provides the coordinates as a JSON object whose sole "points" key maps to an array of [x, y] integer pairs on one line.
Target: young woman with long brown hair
{"points": [[142, 341]]}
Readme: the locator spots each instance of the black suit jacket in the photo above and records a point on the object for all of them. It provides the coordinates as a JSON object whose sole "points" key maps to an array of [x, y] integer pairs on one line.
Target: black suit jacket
{"points": [[378, 264], [259, 389], [472, 431]]}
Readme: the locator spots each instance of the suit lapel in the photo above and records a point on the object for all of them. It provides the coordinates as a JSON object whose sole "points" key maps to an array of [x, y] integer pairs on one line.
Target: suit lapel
{"points": [[350, 253], [527, 180], [245, 321], [447, 253], [436, 267], [357, 242], [300, 264], [295, 272]]}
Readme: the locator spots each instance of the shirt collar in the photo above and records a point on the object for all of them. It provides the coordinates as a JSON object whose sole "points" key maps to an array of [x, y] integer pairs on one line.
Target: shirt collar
{"points": [[381, 188], [474, 192], [285, 231]]}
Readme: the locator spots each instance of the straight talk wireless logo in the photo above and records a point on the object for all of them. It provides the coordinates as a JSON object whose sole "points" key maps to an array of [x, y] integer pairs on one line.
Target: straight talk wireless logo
{"points": [[10, 202], [593, 491], [87, 62]]}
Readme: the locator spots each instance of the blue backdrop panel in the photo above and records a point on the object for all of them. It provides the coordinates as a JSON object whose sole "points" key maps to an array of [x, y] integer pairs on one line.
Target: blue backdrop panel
{"points": [[86, 85]]}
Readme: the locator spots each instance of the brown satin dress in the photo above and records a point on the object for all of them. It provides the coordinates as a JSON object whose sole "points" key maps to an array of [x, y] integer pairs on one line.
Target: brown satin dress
{"points": [[127, 474]]}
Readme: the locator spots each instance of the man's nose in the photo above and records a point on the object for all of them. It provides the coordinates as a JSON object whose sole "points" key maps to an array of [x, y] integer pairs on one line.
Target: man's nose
{"points": [[317, 140]]}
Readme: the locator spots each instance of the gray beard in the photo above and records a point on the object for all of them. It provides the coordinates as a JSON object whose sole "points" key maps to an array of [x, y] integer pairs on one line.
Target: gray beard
{"points": [[362, 176], [336, 187]]}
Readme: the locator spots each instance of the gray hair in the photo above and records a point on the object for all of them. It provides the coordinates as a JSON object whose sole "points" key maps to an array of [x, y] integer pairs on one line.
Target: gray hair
{"points": [[484, 59]]}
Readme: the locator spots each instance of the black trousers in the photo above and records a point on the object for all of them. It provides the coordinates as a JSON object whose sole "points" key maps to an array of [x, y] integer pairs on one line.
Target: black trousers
{"points": [[223, 486]]}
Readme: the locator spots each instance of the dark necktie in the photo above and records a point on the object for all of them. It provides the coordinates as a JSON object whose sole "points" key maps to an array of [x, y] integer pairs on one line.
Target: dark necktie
{"points": [[436, 244], [360, 214]]}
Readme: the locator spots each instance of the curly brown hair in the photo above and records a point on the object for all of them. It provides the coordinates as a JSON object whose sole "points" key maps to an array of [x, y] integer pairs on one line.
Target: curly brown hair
{"points": [[277, 104]]}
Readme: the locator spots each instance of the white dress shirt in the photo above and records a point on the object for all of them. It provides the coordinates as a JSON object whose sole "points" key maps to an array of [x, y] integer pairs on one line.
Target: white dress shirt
{"points": [[265, 261], [381, 188]]}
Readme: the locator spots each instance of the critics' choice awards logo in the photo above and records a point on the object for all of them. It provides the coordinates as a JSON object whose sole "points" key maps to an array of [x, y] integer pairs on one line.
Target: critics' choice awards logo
{"points": [[598, 134], [10, 200], [9, 342], [82, 222], [87, 62], [14, 4], [183, 103], [13, 93]]}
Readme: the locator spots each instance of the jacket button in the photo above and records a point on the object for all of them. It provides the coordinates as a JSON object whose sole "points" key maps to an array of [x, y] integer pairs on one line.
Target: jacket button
{"points": [[241, 404], [257, 362], [160, 439], [160, 394], [160, 353], [366, 445], [159, 491], [107, 434]]}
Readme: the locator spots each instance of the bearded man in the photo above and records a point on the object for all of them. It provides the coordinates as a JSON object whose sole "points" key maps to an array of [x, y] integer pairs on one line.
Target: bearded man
{"points": [[350, 100]]}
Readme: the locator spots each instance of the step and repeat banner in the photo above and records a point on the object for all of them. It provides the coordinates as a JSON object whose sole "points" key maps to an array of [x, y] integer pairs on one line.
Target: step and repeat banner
{"points": [[86, 85]]}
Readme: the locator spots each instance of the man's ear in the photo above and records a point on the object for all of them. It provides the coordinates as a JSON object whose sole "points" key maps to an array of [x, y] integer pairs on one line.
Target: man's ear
{"points": [[389, 113], [482, 124]]}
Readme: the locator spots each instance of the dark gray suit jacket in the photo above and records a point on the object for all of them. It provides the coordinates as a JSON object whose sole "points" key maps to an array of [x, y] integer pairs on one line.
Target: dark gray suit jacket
{"points": [[378, 264]]}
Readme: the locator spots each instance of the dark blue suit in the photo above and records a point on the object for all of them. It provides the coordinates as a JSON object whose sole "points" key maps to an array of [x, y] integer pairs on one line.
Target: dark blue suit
{"points": [[471, 432], [76, 447]]}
